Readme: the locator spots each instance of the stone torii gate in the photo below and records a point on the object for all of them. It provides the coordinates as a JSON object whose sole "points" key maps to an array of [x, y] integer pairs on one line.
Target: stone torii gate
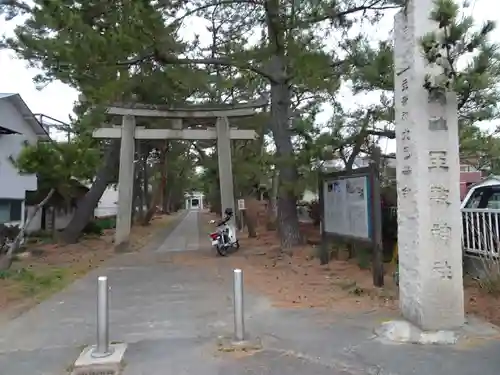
{"points": [[129, 132]]}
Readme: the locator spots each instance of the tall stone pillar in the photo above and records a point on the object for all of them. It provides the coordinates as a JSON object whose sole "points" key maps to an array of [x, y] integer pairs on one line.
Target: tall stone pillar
{"points": [[430, 225], [225, 166], [125, 183]]}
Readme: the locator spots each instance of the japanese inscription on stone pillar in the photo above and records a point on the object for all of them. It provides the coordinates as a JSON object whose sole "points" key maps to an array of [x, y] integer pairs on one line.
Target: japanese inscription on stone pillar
{"points": [[405, 139], [403, 77], [429, 221]]}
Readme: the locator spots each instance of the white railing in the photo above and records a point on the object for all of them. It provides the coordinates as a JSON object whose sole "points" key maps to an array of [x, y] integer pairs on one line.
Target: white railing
{"points": [[481, 229]]}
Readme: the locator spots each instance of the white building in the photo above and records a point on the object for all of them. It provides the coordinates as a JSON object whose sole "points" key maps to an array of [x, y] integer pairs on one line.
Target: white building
{"points": [[194, 200], [108, 204], [18, 126]]}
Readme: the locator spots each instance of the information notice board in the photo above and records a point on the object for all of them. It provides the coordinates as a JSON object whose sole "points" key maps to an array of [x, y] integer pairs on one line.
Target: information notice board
{"points": [[350, 207], [347, 206]]}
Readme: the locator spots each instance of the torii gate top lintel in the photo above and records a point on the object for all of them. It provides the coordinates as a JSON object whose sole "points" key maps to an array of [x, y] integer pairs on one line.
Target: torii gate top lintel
{"points": [[188, 112], [190, 115]]}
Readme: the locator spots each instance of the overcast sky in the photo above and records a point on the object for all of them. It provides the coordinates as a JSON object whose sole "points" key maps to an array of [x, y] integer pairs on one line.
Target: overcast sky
{"points": [[56, 99]]}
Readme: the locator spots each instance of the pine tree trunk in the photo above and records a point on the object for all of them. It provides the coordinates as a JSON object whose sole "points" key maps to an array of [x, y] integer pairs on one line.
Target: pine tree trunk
{"points": [[136, 196], [163, 173], [145, 179], [165, 201], [85, 208], [157, 194], [251, 225], [43, 218], [288, 222], [139, 181], [140, 199], [272, 203], [168, 201], [152, 208]]}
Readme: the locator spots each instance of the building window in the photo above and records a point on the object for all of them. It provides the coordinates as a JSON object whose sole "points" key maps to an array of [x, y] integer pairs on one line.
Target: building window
{"points": [[467, 168], [10, 210]]}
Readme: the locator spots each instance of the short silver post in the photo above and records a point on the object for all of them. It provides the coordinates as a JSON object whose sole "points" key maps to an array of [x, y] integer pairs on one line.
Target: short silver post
{"points": [[239, 321], [102, 349]]}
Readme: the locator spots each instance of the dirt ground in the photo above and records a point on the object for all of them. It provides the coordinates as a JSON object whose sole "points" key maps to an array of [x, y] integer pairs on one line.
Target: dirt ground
{"points": [[300, 281], [47, 267]]}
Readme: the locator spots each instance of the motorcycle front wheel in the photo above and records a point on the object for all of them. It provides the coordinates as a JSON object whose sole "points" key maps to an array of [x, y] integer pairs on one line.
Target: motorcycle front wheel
{"points": [[221, 250]]}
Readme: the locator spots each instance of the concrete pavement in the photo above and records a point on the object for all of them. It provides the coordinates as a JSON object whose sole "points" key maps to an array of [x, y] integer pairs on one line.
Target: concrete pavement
{"points": [[171, 316]]}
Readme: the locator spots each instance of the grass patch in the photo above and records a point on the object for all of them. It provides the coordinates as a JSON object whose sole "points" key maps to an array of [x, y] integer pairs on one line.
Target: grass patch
{"points": [[48, 269], [31, 283], [345, 284], [350, 286]]}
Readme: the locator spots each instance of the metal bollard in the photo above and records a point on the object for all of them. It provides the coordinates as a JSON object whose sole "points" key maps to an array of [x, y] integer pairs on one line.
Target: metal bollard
{"points": [[239, 321], [102, 349]]}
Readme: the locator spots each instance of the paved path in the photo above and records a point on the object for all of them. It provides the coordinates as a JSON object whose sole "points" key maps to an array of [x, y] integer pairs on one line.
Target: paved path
{"points": [[171, 316], [185, 236]]}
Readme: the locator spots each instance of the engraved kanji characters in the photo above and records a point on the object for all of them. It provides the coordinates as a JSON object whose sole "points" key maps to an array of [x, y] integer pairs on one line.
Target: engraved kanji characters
{"points": [[405, 136], [441, 231], [439, 194], [438, 160], [406, 152], [443, 269], [406, 170], [404, 84], [405, 191]]}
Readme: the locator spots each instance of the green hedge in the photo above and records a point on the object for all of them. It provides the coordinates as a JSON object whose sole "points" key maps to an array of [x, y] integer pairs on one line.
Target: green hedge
{"points": [[106, 222], [99, 225]]}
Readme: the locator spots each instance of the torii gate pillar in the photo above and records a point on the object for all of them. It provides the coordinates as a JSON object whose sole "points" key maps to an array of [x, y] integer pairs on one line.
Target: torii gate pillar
{"points": [[225, 165], [125, 183]]}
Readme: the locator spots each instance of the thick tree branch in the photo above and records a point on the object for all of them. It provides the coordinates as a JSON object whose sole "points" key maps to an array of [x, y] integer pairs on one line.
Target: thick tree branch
{"points": [[342, 154], [359, 141], [165, 58], [333, 14], [207, 6]]}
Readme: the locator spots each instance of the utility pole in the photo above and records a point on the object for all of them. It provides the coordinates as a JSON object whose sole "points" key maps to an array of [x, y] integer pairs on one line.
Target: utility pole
{"points": [[378, 255]]}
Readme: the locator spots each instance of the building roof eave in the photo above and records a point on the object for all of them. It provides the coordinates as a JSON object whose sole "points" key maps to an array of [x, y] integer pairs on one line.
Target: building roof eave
{"points": [[26, 114]]}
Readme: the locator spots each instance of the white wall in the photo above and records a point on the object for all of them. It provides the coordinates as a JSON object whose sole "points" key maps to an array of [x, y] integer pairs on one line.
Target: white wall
{"points": [[107, 206], [62, 218], [12, 184], [108, 203], [309, 196]]}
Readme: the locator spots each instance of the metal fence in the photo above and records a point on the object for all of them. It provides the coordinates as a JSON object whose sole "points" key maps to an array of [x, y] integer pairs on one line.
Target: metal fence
{"points": [[480, 231], [481, 228]]}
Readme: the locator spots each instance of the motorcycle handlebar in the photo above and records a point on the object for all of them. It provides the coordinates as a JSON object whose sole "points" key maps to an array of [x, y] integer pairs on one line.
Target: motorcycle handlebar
{"points": [[224, 221]]}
